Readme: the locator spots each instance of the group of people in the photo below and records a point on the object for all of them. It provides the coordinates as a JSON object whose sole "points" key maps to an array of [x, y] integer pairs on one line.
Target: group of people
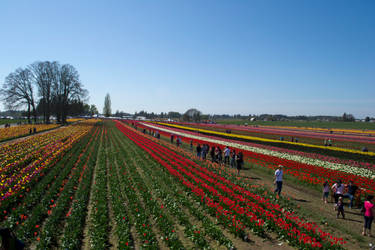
{"points": [[328, 142], [32, 130], [178, 140], [226, 156], [341, 191]]}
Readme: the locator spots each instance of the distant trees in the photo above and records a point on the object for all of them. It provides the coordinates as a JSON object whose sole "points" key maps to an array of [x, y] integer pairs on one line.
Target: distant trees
{"points": [[59, 89], [18, 91], [93, 110], [107, 106], [173, 115], [348, 117]]}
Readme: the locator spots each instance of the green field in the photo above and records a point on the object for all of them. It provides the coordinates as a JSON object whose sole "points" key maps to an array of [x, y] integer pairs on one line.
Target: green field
{"points": [[312, 124]]}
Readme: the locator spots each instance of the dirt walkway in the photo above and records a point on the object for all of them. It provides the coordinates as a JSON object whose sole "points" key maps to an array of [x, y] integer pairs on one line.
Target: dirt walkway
{"points": [[313, 208]]}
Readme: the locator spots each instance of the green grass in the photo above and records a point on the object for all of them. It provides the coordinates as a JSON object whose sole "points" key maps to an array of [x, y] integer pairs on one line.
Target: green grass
{"points": [[313, 124]]}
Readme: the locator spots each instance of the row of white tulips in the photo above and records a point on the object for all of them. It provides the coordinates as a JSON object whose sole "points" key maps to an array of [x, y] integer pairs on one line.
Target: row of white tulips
{"points": [[302, 159]]}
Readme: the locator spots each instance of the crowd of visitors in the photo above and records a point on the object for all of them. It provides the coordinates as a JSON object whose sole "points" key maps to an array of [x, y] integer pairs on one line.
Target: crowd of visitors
{"points": [[341, 191], [227, 156]]}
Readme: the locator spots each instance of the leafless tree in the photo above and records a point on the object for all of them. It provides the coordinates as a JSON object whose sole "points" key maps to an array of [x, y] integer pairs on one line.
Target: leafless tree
{"points": [[59, 88], [45, 76], [68, 88], [18, 91]]}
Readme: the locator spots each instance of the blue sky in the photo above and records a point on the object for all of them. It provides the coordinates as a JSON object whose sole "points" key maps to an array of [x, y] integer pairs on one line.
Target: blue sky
{"points": [[250, 57]]}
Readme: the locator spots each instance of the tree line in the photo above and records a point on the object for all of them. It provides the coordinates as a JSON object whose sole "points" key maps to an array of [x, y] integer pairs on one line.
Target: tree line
{"points": [[45, 88]]}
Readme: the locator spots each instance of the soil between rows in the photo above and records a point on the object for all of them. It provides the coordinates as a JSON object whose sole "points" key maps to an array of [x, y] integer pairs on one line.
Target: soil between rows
{"points": [[310, 203]]}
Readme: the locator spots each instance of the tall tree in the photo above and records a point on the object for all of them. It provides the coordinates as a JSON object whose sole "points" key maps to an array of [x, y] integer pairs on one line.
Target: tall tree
{"points": [[93, 110], [18, 91], [68, 88], [107, 106], [45, 76], [192, 115]]}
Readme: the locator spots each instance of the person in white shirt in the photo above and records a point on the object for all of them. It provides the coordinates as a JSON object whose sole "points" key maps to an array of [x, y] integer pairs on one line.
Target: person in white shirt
{"points": [[279, 179], [338, 190]]}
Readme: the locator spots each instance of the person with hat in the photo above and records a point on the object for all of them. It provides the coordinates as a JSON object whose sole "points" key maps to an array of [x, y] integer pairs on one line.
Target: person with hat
{"points": [[279, 179]]}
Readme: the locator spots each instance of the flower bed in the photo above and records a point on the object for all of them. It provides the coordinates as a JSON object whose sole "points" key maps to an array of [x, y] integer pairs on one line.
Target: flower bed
{"points": [[234, 205], [21, 130]]}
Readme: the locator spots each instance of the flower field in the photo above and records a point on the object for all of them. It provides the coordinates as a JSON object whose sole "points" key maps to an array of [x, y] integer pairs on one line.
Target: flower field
{"points": [[307, 168], [105, 185], [266, 140], [21, 130]]}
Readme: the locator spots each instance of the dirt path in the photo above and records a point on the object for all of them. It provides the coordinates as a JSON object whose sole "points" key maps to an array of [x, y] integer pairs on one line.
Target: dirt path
{"points": [[313, 208], [86, 234], [112, 236]]}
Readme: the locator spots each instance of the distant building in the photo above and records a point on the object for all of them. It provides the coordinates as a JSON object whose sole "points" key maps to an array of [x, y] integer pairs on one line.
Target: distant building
{"points": [[127, 117], [140, 118]]}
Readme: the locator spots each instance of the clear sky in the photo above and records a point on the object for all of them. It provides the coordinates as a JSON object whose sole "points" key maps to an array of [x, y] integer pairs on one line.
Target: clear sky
{"points": [[297, 57]]}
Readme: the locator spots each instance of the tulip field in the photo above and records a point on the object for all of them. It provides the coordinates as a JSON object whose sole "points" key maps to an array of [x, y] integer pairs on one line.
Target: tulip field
{"points": [[107, 185], [22, 130], [308, 167]]}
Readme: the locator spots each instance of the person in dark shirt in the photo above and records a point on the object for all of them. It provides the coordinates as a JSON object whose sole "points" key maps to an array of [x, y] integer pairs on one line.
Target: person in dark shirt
{"points": [[205, 149], [233, 159], [172, 138], [239, 161], [199, 150], [351, 192], [340, 208], [212, 153]]}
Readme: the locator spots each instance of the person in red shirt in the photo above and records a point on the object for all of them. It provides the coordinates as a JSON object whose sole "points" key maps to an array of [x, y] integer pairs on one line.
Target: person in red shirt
{"points": [[369, 215]]}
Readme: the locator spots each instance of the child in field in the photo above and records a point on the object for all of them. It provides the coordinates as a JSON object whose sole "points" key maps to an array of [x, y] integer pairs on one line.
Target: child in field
{"points": [[326, 188], [340, 208]]}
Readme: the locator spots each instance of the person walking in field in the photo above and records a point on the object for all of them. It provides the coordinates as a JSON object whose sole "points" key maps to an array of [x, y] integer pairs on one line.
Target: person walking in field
{"points": [[205, 150], [233, 159], [239, 161], [351, 192], [216, 154], [178, 141], [219, 155], [191, 145], [326, 188], [226, 155], [338, 189], [199, 150], [279, 179], [212, 153], [368, 208], [340, 208]]}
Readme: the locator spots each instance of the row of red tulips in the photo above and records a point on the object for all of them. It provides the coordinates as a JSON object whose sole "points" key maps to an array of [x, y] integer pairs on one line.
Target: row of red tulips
{"points": [[241, 207]]}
